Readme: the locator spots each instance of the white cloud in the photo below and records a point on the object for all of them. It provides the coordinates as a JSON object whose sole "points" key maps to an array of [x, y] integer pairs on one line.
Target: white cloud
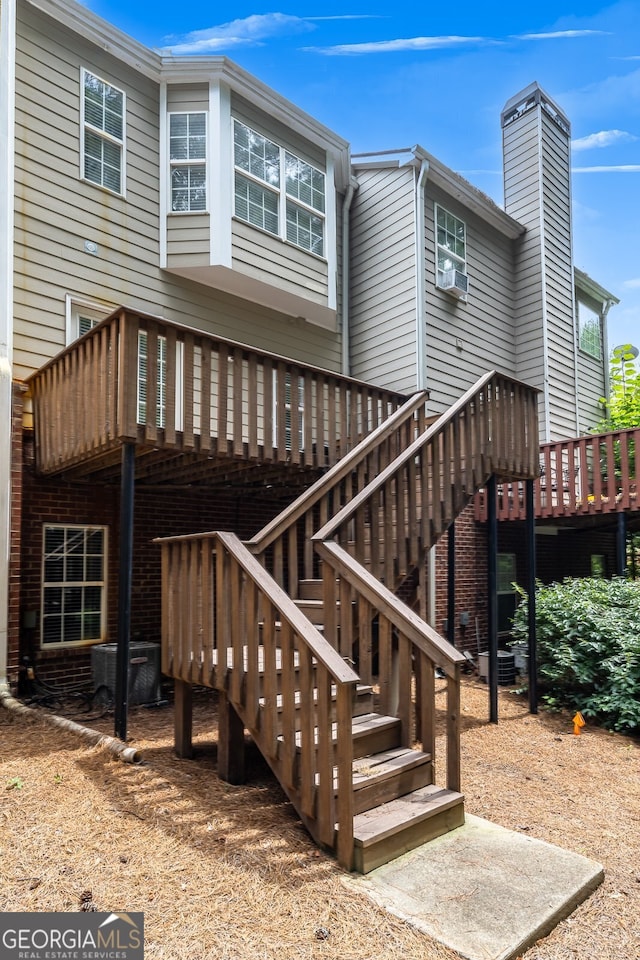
{"points": [[249, 31], [560, 34], [632, 284], [615, 168], [395, 46], [605, 138]]}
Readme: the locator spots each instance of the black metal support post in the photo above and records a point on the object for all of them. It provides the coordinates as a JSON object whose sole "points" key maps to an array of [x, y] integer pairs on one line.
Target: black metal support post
{"points": [[451, 584], [531, 597], [621, 545], [492, 590], [125, 575]]}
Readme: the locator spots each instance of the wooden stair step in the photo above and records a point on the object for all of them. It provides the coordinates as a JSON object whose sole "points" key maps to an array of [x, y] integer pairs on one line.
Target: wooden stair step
{"points": [[310, 589], [389, 774], [373, 733], [391, 829]]}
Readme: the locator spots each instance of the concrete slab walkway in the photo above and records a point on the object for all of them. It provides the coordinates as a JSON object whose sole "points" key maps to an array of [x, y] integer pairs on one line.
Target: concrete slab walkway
{"points": [[482, 890]]}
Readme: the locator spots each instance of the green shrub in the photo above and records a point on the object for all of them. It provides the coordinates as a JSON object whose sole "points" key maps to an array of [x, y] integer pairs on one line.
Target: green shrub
{"points": [[588, 634]]}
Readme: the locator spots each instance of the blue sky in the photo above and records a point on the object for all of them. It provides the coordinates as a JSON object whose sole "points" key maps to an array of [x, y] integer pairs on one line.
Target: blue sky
{"points": [[387, 77]]}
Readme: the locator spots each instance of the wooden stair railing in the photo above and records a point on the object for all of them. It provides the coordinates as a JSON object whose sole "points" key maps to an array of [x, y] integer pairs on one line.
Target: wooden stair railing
{"points": [[228, 625], [284, 545], [401, 513]]}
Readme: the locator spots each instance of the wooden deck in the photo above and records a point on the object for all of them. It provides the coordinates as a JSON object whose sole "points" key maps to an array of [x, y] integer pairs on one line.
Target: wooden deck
{"points": [[586, 476], [193, 404]]}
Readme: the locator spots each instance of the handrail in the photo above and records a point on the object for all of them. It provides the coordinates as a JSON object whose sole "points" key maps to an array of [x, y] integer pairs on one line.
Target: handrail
{"points": [[376, 485], [228, 625], [343, 468], [424, 637]]}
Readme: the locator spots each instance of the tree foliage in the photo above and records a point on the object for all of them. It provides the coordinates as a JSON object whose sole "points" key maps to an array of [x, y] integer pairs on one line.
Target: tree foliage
{"points": [[622, 409], [588, 634]]}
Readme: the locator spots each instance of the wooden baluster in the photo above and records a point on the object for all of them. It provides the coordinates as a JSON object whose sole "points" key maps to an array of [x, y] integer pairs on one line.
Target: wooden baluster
{"points": [[269, 725], [597, 451], [288, 716], [390, 529], [292, 561], [252, 688], [267, 411], [612, 486], [332, 424], [238, 626], [345, 619], [170, 388], [345, 803], [223, 616], [281, 412], [310, 458], [329, 605], [307, 731], [625, 485], [294, 415], [151, 406], [188, 437], [404, 690], [453, 730], [223, 397], [325, 794], [365, 641], [208, 665], [426, 694], [252, 401], [385, 666], [238, 396]]}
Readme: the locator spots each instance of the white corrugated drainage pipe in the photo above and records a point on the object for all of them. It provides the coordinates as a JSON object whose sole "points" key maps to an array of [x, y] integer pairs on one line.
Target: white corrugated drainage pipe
{"points": [[114, 746]]}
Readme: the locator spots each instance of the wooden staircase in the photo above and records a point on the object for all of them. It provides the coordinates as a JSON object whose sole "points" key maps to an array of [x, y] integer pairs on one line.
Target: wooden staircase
{"points": [[301, 632]]}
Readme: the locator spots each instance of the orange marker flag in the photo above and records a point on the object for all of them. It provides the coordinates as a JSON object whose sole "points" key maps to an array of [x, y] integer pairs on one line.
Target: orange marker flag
{"points": [[578, 722]]}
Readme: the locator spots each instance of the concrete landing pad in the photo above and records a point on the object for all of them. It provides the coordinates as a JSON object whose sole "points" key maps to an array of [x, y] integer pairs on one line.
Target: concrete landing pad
{"points": [[482, 890]]}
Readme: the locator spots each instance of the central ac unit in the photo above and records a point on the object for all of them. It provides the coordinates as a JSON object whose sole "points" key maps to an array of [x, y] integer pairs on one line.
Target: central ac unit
{"points": [[454, 282], [143, 670]]}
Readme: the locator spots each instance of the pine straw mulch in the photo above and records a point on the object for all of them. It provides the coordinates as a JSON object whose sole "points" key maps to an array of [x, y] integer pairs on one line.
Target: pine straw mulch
{"points": [[229, 873]]}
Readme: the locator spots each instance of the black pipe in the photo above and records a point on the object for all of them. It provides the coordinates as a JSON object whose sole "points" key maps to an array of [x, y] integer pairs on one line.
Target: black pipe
{"points": [[621, 545], [492, 590], [531, 597], [125, 576], [451, 584]]}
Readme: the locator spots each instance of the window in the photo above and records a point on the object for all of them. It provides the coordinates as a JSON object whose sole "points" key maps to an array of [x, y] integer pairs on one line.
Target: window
{"points": [[73, 585], [451, 244], [262, 168], [103, 133], [82, 316], [589, 333], [187, 154]]}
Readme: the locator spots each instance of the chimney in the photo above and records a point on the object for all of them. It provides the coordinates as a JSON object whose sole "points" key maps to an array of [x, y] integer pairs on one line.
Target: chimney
{"points": [[537, 192]]}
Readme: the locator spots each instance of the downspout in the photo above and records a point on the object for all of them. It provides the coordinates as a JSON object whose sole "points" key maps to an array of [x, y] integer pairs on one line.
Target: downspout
{"points": [[344, 284], [7, 140], [606, 306], [421, 342], [421, 309]]}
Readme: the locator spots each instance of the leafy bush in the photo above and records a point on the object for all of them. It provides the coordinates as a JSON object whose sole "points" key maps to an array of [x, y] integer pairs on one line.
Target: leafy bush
{"points": [[588, 635]]}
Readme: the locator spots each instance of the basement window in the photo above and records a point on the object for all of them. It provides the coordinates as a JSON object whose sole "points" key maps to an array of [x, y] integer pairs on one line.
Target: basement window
{"points": [[74, 566]]}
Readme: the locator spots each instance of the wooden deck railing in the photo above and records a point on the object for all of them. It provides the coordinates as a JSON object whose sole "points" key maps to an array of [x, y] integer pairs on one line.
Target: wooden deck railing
{"points": [[155, 383], [226, 624], [589, 475]]}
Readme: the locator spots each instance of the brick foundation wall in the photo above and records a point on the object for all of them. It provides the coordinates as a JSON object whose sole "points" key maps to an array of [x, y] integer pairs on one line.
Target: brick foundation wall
{"points": [[157, 514], [470, 582]]}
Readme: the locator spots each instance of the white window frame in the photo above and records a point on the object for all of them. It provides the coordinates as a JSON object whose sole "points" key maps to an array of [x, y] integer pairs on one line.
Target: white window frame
{"points": [[66, 584], [591, 321], [77, 308], [188, 162], [103, 135], [457, 262], [284, 200]]}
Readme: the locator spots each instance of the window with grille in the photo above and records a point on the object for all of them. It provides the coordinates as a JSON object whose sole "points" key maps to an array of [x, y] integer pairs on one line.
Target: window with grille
{"points": [[451, 243], [277, 191], [161, 379], [103, 125], [188, 155], [589, 331], [74, 582]]}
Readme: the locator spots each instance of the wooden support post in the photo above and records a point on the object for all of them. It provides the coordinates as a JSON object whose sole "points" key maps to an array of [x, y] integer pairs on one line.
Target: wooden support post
{"points": [[231, 754], [531, 597], [451, 584], [125, 576], [492, 590], [183, 719]]}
